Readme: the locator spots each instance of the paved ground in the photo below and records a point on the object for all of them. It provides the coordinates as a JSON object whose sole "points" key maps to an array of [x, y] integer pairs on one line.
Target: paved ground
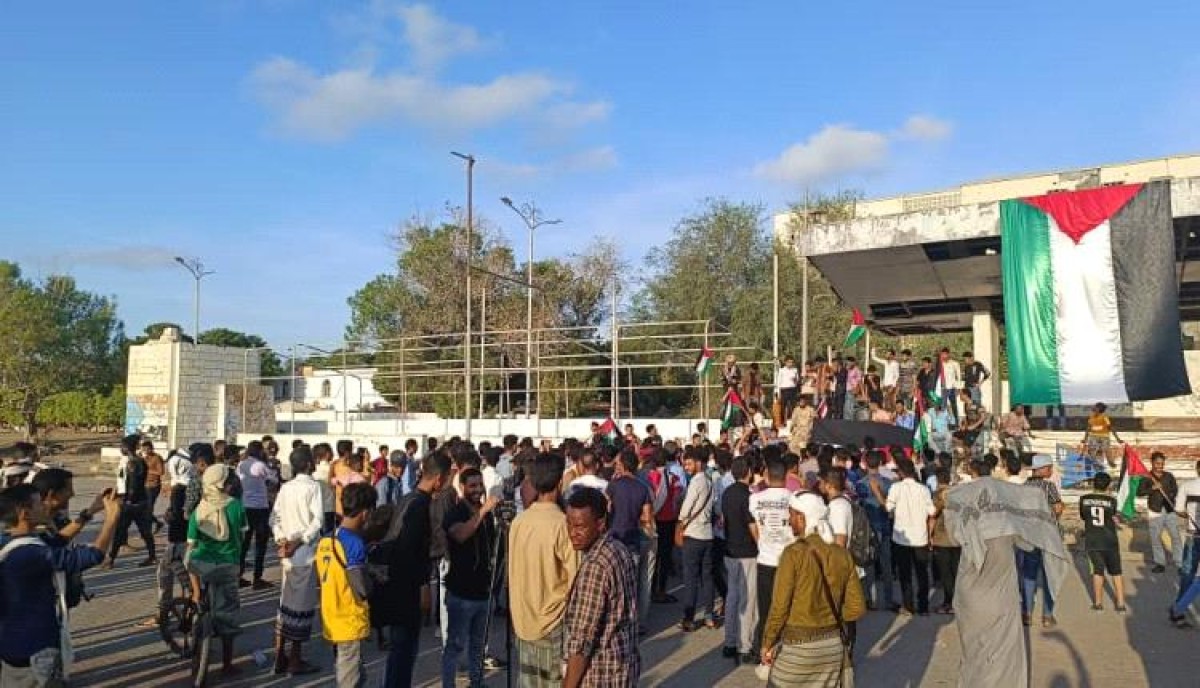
{"points": [[1087, 649]]}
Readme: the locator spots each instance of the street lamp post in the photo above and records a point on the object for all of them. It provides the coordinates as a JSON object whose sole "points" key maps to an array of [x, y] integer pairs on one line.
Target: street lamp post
{"points": [[194, 266], [470, 160], [529, 214]]}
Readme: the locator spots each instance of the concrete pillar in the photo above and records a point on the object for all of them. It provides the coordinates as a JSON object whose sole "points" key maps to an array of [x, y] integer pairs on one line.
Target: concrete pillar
{"points": [[986, 347]]}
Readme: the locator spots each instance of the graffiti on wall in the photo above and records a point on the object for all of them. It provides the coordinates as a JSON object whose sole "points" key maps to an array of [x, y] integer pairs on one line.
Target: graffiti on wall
{"points": [[147, 415], [248, 409]]}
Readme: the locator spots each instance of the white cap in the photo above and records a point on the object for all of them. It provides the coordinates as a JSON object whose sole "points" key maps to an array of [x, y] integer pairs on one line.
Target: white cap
{"points": [[1042, 461]]}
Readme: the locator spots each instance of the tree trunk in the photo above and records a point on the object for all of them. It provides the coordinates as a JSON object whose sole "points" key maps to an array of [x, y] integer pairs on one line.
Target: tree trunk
{"points": [[31, 427], [29, 409]]}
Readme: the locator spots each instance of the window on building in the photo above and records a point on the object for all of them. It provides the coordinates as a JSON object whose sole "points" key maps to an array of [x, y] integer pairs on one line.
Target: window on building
{"points": [[326, 388]]}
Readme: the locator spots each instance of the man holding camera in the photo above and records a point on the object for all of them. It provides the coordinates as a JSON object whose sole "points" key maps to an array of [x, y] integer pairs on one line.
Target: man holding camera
{"points": [[470, 537]]}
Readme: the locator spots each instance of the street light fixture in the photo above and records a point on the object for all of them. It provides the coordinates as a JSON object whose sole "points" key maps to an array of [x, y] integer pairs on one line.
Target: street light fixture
{"points": [[531, 216], [470, 160], [194, 266]]}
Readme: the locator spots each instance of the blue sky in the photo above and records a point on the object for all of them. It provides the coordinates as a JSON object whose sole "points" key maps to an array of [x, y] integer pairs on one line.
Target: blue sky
{"points": [[282, 141]]}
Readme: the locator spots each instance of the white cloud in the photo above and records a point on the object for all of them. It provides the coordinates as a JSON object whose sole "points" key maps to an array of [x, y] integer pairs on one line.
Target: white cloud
{"points": [[434, 39], [836, 150], [925, 128], [595, 159], [335, 105], [329, 106], [572, 115], [122, 258], [590, 160]]}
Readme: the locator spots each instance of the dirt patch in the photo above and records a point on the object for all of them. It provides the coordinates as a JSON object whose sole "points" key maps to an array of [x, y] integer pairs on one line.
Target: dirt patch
{"points": [[62, 442]]}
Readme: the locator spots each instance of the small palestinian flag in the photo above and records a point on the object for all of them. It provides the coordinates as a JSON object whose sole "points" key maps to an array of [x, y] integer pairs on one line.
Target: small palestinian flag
{"points": [[1133, 471], [608, 431], [704, 362], [858, 327], [732, 408], [921, 435], [938, 394], [1091, 306]]}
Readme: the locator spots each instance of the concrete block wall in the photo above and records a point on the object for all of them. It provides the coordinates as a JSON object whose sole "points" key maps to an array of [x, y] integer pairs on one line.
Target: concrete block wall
{"points": [[148, 388], [203, 369], [393, 432]]}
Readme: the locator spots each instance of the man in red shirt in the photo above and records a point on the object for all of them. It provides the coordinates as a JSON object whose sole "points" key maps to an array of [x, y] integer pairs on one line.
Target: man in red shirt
{"points": [[379, 466]]}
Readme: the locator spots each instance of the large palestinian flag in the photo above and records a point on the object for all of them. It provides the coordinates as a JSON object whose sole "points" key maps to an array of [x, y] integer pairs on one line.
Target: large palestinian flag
{"points": [[1090, 301]]}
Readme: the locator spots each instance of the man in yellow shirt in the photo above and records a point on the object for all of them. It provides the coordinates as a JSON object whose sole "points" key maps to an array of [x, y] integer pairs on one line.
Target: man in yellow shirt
{"points": [[342, 565], [1099, 431], [544, 562]]}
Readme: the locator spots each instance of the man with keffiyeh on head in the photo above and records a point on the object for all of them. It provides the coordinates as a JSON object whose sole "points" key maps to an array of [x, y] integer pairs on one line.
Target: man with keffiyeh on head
{"points": [[214, 538]]}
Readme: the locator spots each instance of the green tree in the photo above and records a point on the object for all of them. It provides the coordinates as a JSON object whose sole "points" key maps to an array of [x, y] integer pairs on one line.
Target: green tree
{"points": [[425, 297], [155, 330], [108, 410], [271, 366], [54, 338]]}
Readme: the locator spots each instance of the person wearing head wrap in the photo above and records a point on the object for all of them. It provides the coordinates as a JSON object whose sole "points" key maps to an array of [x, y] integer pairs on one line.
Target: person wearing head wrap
{"points": [[214, 550], [16, 473], [988, 518], [817, 593]]}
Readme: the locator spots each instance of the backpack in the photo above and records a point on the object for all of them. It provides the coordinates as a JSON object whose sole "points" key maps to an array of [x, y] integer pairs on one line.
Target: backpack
{"points": [[379, 555], [61, 587], [863, 543], [8, 548]]}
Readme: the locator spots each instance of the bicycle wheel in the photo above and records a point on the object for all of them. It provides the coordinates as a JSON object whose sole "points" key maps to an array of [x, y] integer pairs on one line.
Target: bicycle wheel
{"points": [[202, 647], [175, 625]]}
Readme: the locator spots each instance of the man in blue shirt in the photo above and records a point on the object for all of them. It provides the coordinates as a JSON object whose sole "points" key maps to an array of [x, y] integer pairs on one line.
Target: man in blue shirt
{"points": [[32, 584], [872, 495]]}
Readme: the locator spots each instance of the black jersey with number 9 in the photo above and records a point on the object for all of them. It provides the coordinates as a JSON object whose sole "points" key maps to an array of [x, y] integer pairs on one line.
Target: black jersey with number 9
{"points": [[1099, 515]]}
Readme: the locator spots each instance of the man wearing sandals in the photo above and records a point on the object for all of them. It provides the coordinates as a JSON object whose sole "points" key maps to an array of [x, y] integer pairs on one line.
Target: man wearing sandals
{"points": [[296, 522], [817, 593]]}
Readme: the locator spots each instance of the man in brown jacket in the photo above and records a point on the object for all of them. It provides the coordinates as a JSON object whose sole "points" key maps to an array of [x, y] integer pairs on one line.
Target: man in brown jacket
{"points": [[817, 593]]}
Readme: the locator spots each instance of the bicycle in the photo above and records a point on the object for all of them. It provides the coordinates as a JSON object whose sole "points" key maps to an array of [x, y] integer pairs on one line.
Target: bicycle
{"points": [[202, 637], [176, 619], [187, 628]]}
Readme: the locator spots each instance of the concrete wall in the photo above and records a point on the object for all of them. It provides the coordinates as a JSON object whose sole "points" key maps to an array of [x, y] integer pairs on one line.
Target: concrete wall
{"points": [[245, 408], [973, 210], [148, 388], [393, 432], [176, 394], [203, 369], [999, 189]]}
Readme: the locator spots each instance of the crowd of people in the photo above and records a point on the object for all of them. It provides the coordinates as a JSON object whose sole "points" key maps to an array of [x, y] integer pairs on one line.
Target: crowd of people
{"points": [[780, 545], [938, 397]]}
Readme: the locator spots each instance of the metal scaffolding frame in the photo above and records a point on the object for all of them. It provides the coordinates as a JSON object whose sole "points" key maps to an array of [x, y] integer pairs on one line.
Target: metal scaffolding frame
{"points": [[581, 365]]}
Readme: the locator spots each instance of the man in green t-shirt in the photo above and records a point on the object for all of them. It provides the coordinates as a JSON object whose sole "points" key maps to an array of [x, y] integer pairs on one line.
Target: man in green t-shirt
{"points": [[214, 552]]}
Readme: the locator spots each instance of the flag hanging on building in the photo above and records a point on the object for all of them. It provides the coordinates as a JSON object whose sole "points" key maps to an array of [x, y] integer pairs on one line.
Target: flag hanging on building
{"points": [[858, 327], [1133, 472], [704, 362], [1090, 296]]}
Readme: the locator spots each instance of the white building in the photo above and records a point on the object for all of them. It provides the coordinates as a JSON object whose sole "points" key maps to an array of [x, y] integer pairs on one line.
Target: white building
{"points": [[351, 390]]}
